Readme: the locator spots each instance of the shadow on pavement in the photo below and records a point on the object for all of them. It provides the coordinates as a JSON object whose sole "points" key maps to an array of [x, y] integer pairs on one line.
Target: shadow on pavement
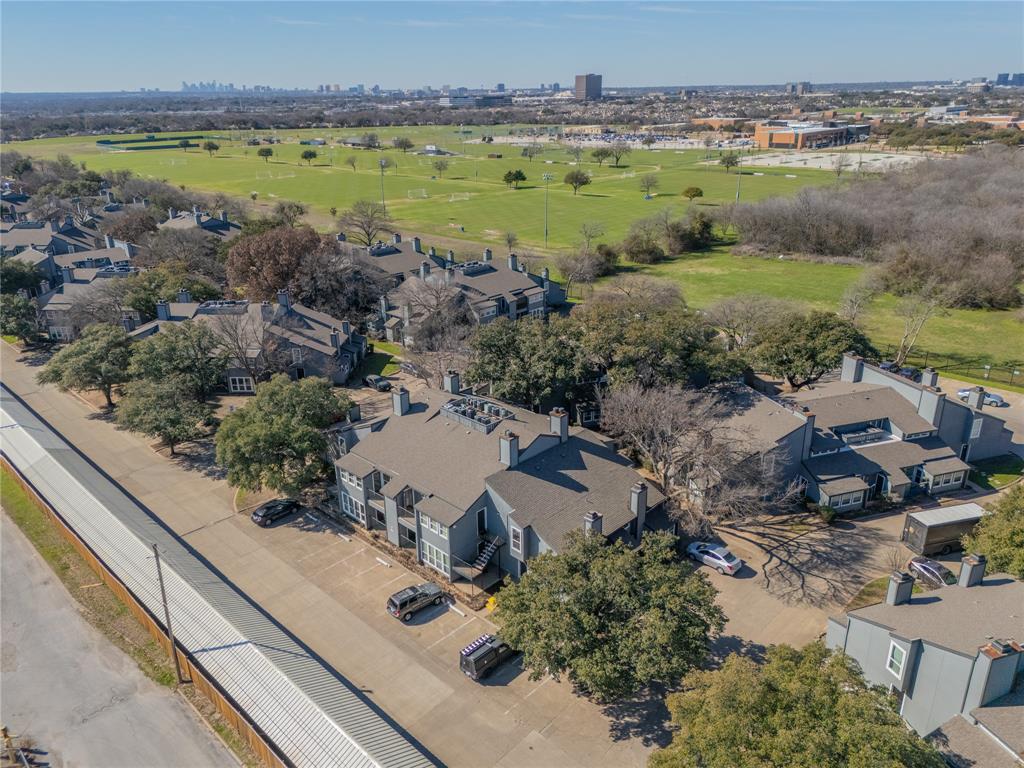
{"points": [[644, 717]]}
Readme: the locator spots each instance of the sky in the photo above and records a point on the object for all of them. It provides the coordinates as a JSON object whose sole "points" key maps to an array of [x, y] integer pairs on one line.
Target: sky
{"points": [[111, 46]]}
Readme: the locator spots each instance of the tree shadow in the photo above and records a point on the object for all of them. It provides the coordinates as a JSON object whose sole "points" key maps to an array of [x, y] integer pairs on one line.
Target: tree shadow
{"points": [[36, 358], [644, 716], [199, 456], [823, 566], [727, 645]]}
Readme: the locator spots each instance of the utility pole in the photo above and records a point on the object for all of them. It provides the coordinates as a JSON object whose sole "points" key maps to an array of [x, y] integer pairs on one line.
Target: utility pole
{"points": [[167, 615], [547, 182]]}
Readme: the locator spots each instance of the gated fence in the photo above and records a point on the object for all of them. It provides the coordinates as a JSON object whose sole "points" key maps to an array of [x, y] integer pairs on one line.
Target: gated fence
{"points": [[1008, 372]]}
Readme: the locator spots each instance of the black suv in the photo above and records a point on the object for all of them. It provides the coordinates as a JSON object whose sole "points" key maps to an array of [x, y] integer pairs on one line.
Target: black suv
{"points": [[273, 511], [406, 603], [483, 655]]}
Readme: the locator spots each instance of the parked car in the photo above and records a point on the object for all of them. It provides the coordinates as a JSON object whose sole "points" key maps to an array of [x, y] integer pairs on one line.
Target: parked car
{"points": [[717, 556], [931, 572], [377, 382], [272, 511], [406, 603], [992, 399], [909, 372], [481, 657], [888, 365]]}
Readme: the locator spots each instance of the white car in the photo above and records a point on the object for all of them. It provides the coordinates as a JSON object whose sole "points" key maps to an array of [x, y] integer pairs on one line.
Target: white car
{"points": [[991, 398], [717, 556]]}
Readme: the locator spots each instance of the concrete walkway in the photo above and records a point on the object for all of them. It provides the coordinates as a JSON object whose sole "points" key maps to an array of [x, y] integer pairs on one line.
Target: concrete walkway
{"points": [[81, 700]]}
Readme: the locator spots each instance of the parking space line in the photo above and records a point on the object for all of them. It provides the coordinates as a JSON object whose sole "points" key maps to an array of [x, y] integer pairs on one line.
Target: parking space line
{"points": [[316, 552], [336, 562], [442, 639], [391, 581]]}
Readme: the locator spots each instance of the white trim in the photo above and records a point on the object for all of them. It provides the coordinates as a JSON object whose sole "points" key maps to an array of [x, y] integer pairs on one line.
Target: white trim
{"points": [[513, 530], [435, 557], [902, 659], [241, 384]]}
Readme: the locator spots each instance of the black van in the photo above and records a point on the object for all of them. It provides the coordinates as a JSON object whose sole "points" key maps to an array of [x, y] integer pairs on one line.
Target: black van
{"points": [[483, 655]]}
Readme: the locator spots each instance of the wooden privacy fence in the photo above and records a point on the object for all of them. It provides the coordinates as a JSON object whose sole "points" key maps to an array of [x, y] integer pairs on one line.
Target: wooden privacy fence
{"points": [[191, 669]]}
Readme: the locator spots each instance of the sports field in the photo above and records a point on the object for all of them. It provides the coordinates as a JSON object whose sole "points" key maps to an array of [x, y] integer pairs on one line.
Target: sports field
{"points": [[467, 201]]}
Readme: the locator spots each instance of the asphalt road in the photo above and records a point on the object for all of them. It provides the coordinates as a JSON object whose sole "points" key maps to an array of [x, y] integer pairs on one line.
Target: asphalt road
{"points": [[82, 701]]}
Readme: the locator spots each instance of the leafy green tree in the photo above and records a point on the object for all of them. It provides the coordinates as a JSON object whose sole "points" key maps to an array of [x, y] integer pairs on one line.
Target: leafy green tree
{"points": [[266, 153], [211, 147], [729, 161], [99, 359], [1000, 535], [601, 154], [190, 353], [403, 143], [440, 165], [528, 360], [17, 317], [613, 619], [277, 440], [807, 708], [530, 151], [18, 275], [162, 283], [512, 178], [165, 409], [802, 348], [184, 145], [693, 192], [309, 155], [577, 179]]}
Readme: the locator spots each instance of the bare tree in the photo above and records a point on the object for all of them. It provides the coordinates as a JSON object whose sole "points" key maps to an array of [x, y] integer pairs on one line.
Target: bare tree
{"points": [[859, 296], [352, 161], [709, 468], [619, 150], [648, 183], [740, 317], [192, 249], [247, 339], [364, 220], [511, 239], [575, 152], [649, 292], [840, 163], [579, 266], [916, 310], [443, 327], [104, 301]]}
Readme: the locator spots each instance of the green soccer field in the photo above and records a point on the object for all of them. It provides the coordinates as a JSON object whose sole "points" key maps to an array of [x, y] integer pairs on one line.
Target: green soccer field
{"points": [[467, 201]]}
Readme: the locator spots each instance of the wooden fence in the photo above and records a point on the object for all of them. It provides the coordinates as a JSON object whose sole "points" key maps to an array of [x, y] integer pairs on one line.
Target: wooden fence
{"points": [[190, 668]]}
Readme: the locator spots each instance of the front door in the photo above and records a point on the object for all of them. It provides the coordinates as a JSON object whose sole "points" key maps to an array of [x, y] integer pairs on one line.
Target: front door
{"points": [[879, 484], [481, 521]]}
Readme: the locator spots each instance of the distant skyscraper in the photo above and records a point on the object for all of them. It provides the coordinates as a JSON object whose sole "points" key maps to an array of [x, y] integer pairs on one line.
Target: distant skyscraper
{"points": [[500, 88], [588, 87], [1017, 79], [1003, 78]]}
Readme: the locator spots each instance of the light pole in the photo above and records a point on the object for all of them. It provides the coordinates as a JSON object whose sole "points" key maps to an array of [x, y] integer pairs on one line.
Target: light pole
{"points": [[167, 615], [547, 177], [382, 203], [739, 165]]}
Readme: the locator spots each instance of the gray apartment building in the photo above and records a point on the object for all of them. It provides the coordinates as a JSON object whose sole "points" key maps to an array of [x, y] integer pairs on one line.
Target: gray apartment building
{"points": [[953, 658], [477, 487], [490, 288], [286, 337]]}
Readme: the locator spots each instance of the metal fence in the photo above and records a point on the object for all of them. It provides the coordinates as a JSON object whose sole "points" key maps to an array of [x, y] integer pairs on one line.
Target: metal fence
{"points": [[1008, 372]]}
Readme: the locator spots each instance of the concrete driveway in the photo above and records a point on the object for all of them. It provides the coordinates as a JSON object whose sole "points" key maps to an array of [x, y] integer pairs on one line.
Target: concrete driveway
{"points": [[330, 592], [82, 701], [796, 573]]}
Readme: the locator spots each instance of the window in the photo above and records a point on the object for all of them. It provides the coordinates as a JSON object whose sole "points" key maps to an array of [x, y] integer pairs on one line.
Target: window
{"points": [[379, 517], [296, 355], [958, 477], [848, 499], [481, 521], [353, 508], [351, 479], [432, 525], [896, 658], [515, 539], [240, 384], [435, 558]]}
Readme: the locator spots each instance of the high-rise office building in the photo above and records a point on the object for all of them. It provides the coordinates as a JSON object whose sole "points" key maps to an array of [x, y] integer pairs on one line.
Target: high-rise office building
{"points": [[588, 87], [500, 88], [1003, 78]]}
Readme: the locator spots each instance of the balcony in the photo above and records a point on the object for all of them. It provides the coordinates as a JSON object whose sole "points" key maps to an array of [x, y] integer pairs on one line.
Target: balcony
{"points": [[375, 500], [407, 513]]}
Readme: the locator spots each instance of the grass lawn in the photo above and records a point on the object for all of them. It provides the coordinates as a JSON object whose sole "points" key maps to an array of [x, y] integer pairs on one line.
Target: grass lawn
{"points": [[491, 209], [998, 472], [873, 592], [995, 336], [379, 363]]}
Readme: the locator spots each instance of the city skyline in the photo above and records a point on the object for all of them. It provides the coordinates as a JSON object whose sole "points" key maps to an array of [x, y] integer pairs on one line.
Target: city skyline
{"points": [[724, 43]]}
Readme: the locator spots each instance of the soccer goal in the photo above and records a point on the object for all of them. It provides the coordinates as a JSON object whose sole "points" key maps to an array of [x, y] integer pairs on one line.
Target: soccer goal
{"points": [[417, 194], [458, 197], [629, 174]]}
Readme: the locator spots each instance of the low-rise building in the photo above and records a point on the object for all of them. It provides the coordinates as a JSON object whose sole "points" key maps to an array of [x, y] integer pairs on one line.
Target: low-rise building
{"points": [[56, 307], [285, 336], [220, 226], [476, 487], [792, 134], [952, 657]]}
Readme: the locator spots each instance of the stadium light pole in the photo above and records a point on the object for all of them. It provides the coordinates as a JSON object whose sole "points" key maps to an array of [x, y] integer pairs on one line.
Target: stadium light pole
{"points": [[547, 177], [739, 165], [382, 203]]}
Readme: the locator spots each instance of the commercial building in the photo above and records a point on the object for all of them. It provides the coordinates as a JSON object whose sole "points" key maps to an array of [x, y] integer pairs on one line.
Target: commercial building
{"points": [[588, 87], [791, 134], [952, 657]]}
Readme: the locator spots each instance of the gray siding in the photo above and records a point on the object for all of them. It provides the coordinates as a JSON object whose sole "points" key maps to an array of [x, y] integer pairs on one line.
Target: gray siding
{"points": [[940, 679]]}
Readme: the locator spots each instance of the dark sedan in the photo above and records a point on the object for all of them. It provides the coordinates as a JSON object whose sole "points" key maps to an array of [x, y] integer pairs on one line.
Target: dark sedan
{"points": [[930, 572], [269, 513]]}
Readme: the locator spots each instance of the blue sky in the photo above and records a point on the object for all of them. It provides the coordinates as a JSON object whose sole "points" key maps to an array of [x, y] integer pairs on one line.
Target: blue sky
{"points": [[92, 46]]}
